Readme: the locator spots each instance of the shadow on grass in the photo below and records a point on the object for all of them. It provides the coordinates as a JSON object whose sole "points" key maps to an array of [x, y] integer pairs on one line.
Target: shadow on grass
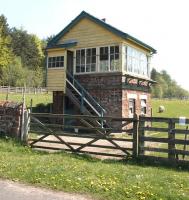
{"points": [[177, 166], [143, 162]]}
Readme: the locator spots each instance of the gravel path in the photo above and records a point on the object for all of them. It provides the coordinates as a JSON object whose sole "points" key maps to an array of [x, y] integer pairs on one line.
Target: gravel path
{"points": [[10, 190]]}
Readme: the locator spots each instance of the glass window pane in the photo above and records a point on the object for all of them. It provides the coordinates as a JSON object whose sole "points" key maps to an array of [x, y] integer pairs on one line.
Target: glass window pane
{"points": [[117, 56], [49, 65], [53, 64], [82, 52], [61, 64], [50, 59], [83, 57], [88, 60], [78, 53], [93, 67], [87, 68], [57, 64], [103, 66], [88, 52], [62, 58], [112, 50], [94, 59], [116, 49], [103, 53], [77, 69], [82, 68], [94, 51]]}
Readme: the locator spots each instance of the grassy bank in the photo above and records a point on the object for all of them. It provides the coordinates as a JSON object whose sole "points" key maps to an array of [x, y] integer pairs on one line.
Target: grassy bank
{"points": [[103, 179], [37, 98]]}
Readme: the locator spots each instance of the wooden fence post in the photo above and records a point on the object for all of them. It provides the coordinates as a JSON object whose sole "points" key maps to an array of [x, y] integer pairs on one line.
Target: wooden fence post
{"points": [[141, 134], [22, 123], [171, 138], [135, 136], [26, 126]]}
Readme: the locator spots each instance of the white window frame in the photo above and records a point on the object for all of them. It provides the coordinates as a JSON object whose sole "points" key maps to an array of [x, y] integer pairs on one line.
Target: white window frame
{"points": [[98, 60], [142, 106], [125, 60], [75, 63], [133, 100], [59, 61]]}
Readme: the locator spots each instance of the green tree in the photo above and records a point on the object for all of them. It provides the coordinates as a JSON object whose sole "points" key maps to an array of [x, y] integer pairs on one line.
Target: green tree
{"points": [[6, 55], [166, 87], [28, 47], [14, 74]]}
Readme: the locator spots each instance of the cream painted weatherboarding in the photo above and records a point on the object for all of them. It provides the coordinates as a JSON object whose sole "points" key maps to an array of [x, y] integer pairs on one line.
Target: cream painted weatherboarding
{"points": [[97, 48]]}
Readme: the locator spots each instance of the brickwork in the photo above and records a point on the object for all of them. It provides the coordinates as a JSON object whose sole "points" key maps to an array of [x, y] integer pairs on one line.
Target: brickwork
{"points": [[58, 102], [138, 95], [107, 89]]}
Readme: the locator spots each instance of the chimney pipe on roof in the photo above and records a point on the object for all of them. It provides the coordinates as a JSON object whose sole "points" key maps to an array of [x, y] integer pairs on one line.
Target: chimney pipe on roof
{"points": [[104, 19]]}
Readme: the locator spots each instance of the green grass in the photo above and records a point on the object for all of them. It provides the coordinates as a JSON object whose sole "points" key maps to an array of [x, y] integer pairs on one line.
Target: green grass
{"points": [[173, 108], [102, 179], [37, 98]]}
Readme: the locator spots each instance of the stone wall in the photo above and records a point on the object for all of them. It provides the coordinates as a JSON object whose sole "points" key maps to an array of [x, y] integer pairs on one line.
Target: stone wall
{"points": [[10, 118]]}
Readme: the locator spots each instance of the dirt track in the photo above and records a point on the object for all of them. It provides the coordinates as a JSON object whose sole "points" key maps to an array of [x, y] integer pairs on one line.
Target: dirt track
{"points": [[10, 190]]}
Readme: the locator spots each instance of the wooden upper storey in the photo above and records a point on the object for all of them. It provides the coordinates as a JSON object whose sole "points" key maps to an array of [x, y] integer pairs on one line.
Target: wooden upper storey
{"points": [[97, 47]]}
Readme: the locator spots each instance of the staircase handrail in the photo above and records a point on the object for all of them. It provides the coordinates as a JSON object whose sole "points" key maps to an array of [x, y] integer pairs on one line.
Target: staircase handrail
{"points": [[86, 94]]}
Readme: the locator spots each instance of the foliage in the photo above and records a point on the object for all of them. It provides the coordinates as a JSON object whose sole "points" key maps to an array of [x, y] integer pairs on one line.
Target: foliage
{"points": [[13, 74], [166, 87], [22, 58], [28, 47], [5, 41]]}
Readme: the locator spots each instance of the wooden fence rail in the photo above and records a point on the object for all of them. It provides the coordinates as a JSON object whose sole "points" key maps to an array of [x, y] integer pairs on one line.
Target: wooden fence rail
{"points": [[140, 137], [21, 90], [170, 141]]}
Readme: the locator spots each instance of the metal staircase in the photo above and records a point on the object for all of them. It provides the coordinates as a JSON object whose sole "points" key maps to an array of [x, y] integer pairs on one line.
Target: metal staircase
{"points": [[84, 101]]}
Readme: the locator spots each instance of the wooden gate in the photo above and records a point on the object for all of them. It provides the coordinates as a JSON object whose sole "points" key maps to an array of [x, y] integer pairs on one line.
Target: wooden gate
{"points": [[69, 133]]}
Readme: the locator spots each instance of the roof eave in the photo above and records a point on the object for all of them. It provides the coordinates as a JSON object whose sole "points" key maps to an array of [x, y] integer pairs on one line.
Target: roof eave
{"points": [[103, 24]]}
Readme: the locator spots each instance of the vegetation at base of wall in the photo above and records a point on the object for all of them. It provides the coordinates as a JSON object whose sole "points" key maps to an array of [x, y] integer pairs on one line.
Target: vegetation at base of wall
{"points": [[166, 87], [106, 179]]}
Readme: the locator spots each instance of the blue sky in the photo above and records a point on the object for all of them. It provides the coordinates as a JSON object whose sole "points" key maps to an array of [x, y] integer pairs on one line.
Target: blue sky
{"points": [[163, 24]]}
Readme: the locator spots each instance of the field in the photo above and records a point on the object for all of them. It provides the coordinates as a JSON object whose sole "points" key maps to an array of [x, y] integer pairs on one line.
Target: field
{"points": [[36, 98], [103, 179], [173, 108]]}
